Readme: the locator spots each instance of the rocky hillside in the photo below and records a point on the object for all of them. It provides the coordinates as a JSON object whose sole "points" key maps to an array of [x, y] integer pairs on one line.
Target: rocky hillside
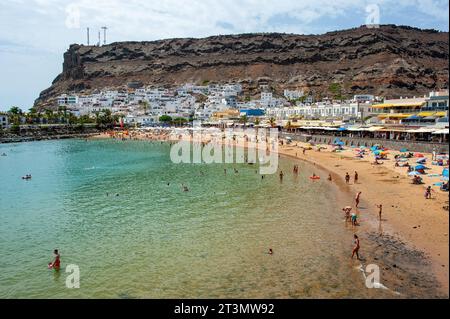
{"points": [[389, 61]]}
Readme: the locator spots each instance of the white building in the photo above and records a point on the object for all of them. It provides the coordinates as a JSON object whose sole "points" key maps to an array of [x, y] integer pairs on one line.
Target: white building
{"points": [[293, 95], [318, 110], [362, 98], [4, 121]]}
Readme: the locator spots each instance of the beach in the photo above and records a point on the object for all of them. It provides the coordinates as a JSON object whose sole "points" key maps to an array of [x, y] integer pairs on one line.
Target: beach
{"points": [[422, 224], [406, 214]]}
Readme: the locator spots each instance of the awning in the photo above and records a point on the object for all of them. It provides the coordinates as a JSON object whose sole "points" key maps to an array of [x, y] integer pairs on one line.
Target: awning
{"points": [[413, 117], [354, 129], [424, 114], [374, 128], [394, 115], [391, 105], [422, 130], [443, 131], [431, 113]]}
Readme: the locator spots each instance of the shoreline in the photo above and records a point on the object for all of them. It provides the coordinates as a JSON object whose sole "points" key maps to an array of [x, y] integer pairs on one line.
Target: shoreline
{"points": [[24, 139], [417, 223]]}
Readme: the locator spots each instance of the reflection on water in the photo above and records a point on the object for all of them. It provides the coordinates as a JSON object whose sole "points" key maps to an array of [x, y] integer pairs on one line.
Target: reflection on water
{"points": [[117, 210]]}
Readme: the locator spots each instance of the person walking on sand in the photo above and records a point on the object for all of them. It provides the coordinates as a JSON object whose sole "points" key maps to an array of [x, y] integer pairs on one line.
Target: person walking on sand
{"points": [[347, 178], [281, 176], [357, 198], [428, 192], [356, 177], [330, 178], [356, 247], [380, 210]]}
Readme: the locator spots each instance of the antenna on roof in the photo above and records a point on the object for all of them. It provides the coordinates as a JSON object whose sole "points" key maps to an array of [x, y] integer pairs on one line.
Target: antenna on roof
{"points": [[88, 36], [104, 34], [99, 39]]}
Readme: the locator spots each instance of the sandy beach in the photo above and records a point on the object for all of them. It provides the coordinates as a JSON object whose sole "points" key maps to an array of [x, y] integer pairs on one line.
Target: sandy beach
{"points": [[406, 213], [422, 224]]}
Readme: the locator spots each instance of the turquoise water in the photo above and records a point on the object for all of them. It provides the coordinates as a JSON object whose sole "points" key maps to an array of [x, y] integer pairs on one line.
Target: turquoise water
{"points": [[107, 206]]}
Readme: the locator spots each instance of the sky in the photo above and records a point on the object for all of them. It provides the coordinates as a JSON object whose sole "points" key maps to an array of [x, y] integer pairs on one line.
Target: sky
{"points": [[34, 34]]}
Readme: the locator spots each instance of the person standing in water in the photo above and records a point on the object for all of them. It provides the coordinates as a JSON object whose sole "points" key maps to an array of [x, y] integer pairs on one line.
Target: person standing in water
{"points": [[281, 176], [56, 264], [356, 177], [357, 198], [347, 178], [330, 178], [380, 210], [356, 248]]}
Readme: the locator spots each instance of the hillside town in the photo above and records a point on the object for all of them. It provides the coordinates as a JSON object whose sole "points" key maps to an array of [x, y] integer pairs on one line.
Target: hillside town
{"points": [[406, 118]]}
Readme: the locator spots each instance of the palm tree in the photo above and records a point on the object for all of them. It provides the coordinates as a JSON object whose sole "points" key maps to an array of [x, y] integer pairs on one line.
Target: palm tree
{"points": [[272, 122], [288, 125], [15, 113], [244, 120]]}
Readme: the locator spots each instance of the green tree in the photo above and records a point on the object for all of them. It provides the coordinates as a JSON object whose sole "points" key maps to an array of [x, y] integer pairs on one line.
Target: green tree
{"points": [[165, 119], [244, 120], [336, 90], [179, 121], [272, 122]]}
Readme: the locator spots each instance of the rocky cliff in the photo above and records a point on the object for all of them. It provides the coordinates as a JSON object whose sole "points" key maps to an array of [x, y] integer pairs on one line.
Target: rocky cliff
{"points": [[389, 61]]}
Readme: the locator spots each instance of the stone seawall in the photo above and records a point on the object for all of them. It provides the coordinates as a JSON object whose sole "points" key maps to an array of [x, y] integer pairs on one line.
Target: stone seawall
{"points": [[369, 142], [47, 133]]}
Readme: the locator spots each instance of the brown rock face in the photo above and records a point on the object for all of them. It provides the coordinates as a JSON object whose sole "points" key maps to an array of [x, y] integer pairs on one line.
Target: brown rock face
{"points": [[389, 61]]}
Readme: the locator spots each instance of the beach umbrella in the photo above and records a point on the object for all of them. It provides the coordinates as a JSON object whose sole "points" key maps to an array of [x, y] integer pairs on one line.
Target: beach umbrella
{"points": [[444, 178], [421, 160], [377, 152], [403, 150], [445, 172], [418, 155], [420, 167], [413, 173]]}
